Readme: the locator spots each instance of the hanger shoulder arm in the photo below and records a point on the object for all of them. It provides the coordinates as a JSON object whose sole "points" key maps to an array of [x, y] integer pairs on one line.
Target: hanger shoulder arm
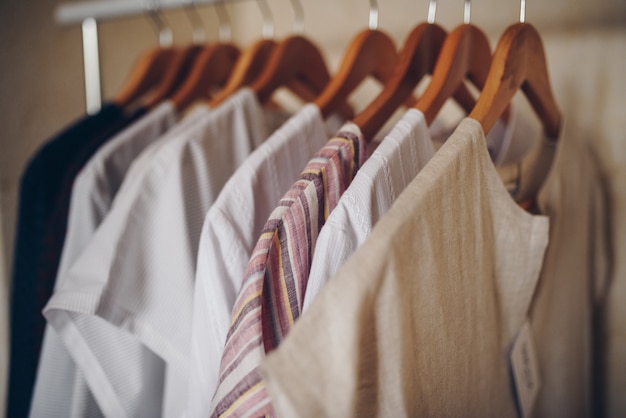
{"points": [[294, 58], [372, 52], [174, 75], [518, 62], [416, 58], [211, 68], [248, 67], [145, 74], [464, 54]]}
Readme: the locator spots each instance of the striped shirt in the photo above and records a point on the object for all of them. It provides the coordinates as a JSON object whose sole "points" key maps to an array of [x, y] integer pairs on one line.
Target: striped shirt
{"points": [[272, 293]]}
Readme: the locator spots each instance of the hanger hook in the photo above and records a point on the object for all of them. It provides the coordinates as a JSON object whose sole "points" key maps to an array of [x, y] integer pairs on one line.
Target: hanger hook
{"points": [[165, 33], [268, 20], [467, 12], [432, 11], [373, 25], [522, 11], [298, 10], [199, 34], [225, 34]]}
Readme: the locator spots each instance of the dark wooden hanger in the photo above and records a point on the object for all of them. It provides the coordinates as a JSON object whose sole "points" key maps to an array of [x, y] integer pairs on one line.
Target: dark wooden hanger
{"points": [[295, 63], [147, 71], [518, 62], [210, 70], [175, 75], [465, 54], [372, 52], [417, 58], [247, 69]]}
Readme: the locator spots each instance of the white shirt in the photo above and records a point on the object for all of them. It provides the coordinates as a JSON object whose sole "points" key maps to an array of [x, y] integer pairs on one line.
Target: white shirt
{"points": [[385, 174], [134, 282], [231, 229], [60, 388], [420, 320]]}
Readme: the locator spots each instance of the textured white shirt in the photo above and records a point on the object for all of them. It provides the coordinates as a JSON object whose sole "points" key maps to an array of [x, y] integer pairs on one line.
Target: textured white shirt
{"points": [[394, 164], [230, 232], [134, 282], [420, 320], [60, 389]]}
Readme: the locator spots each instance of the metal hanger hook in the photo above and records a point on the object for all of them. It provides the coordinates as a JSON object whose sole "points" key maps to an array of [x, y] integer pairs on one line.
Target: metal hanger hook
{"points": [[522, 11], [432, 11], [373, 24], [226, 33], [268, 20], [164, 32], [298, 10], [467, 12], [199, 34]]}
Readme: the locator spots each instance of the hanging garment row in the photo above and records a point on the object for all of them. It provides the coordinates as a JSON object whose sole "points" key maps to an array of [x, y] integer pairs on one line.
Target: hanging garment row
{"points": [[198, 251]]}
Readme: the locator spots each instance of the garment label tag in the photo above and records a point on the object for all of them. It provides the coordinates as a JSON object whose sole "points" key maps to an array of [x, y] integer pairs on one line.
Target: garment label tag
{"points": [[525, 370]]}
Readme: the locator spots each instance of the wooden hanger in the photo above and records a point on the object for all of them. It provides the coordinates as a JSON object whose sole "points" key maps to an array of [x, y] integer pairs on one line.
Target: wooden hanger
{"points": [[145, 74], [372, 52], [465, 54], [518, 62], [417, 58], [211, 69], [248, 68], [295, 63], [175, 74], [151, 66]]}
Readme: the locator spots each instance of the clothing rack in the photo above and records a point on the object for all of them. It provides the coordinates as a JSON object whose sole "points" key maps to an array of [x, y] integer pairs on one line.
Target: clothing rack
{"points": [[89, 13]]}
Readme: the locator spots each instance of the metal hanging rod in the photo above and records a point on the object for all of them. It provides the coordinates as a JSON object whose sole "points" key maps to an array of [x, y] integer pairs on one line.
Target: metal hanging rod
{"points": [[76, 13], [89, 13]]}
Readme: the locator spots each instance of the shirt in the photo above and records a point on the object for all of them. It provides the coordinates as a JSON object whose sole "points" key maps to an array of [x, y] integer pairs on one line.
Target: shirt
{"points": [[230, 231], [420, 320], [60, 389], [396, 161], [271, 296], [135, 279], [44, 197]]}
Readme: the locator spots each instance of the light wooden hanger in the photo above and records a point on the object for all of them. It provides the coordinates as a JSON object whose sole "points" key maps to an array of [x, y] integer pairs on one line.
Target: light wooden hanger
{"points": [[210, 69], [181, 64], [252, 61], [371, 52], [151, 67], [465, 54], [518, 62], [417, 58], [298, 64]]}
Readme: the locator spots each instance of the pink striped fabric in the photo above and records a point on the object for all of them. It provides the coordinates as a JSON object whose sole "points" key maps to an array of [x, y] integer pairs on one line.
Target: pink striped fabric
{"points": [[271, 296]]}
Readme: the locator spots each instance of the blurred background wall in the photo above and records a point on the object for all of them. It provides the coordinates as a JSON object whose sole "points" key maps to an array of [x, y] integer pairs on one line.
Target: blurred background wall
{"points": [[41, 78]]}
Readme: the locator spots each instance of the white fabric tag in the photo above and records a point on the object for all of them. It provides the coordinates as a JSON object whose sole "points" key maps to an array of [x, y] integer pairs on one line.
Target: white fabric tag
{"points": [[525, 370]]}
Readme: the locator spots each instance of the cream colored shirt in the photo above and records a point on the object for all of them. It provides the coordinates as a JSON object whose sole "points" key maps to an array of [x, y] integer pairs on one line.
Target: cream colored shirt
{"points": [[420, 319]]}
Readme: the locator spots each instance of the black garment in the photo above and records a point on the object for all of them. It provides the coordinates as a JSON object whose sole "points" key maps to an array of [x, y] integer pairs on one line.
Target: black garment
{"points": [[44, 200]]}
